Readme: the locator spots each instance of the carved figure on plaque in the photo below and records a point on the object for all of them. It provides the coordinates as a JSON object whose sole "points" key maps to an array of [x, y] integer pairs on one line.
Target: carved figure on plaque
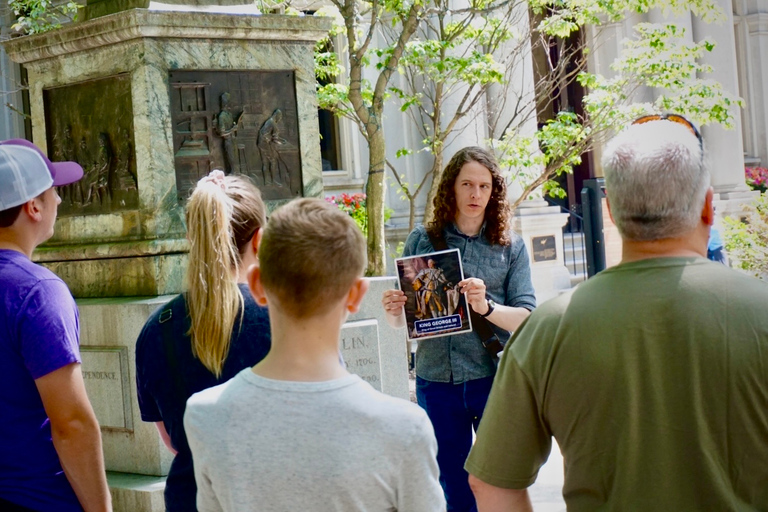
{"points": [[97, 173], [124, 173], [226, 128], [84, 159], [81, 127], [100, 186], [269, 140], [230, 120]]}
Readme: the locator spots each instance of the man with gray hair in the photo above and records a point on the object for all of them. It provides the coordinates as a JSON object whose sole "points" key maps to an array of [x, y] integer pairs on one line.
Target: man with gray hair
{"points": [[653, 375]]}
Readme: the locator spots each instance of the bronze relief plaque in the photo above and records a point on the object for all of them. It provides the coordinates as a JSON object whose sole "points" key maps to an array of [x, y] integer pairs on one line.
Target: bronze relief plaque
{"points": [[243, 122], [91, 123], [544, 248]]}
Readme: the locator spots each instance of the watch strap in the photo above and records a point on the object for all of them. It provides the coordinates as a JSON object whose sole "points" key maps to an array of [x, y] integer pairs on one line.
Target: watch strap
{"points": [[491, 307]]}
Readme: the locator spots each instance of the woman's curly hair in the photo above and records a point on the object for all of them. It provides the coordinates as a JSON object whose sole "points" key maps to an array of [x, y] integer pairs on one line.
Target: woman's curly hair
{"points": [[498, 210]]}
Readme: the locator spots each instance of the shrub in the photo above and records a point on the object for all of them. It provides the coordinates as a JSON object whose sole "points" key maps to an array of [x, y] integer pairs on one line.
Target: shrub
{"points": [[37, 16], [746, 239], [354, 206], [756, 177]]}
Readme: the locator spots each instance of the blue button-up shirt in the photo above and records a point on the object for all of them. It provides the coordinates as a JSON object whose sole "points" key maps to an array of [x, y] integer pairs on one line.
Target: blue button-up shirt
{"points": [[506, 272]]}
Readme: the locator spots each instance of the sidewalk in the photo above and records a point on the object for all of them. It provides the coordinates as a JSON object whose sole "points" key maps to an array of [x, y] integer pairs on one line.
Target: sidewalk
{"points": [[547, 493]]}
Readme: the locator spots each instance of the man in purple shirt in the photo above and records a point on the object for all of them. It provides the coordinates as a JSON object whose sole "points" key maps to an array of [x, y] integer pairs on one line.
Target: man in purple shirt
{"points": [[50, 443]]}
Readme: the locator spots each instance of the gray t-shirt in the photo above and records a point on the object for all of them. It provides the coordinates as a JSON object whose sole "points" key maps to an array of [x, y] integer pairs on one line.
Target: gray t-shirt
{"points": [[268, 445]]}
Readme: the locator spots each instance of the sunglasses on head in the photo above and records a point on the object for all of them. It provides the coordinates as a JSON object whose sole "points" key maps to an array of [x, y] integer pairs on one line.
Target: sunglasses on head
{"points": [[675, 118]]}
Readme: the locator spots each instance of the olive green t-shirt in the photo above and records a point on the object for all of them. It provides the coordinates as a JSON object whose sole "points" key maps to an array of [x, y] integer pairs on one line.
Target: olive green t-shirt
{"points": [[653, 378]]}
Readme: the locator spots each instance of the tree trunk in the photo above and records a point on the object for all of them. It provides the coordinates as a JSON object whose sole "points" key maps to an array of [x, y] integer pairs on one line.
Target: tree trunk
{"points": [[437, 175], [374, 204], [411, 213]]}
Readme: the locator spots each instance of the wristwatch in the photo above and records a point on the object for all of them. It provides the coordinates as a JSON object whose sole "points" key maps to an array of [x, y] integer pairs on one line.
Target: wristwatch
{"points": [[491, 305]]}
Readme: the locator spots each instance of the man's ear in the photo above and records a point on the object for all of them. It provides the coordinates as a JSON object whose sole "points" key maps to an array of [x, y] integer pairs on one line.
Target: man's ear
{"points": [[356, 294], [254, 283], [256, 240], [610, 213], [708, 211], [32, 209]]}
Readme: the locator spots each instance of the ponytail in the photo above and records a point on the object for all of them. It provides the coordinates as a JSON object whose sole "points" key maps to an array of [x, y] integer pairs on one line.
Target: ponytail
{"points": [[214, 301]]}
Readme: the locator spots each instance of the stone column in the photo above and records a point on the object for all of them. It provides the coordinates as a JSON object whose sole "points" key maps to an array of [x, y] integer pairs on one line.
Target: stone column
{"points": [[607, 41], [757, 24], [725, 148]]}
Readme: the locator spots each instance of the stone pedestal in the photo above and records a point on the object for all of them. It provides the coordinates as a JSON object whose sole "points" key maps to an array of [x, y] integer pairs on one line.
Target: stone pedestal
{"points": [[373, 349], [126, 236], [135, 457], [136, 492], [541, 227], [108, 332]]}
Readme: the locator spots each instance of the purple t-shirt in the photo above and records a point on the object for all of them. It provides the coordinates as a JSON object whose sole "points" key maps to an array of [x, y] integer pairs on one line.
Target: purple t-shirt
{"points": [[39, 331]]}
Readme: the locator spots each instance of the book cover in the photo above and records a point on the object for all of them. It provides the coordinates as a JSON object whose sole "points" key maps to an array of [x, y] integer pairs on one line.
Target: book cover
{"points": [[435, 306]]}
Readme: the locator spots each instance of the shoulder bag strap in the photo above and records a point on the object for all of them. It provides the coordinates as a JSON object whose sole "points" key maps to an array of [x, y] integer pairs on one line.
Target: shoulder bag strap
{"points": [[167, 328], [482, 326]]}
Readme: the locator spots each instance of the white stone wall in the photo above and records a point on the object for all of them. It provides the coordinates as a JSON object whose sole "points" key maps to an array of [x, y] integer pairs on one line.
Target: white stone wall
{"points": [[750, 19]]}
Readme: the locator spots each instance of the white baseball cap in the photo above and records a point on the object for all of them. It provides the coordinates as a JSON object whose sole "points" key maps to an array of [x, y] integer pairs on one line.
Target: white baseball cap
{"points": [[25, 172]]}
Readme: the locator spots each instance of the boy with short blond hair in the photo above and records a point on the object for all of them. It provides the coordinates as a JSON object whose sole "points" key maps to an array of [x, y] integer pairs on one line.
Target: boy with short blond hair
{"points": [[297, 431]]}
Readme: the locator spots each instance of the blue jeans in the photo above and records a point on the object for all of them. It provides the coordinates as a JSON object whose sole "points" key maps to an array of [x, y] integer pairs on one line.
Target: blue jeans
{"points": [[454, 409]]}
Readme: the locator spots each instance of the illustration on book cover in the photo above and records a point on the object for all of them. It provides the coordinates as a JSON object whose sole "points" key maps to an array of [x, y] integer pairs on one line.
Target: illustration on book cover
{"points": [[435, 306]]}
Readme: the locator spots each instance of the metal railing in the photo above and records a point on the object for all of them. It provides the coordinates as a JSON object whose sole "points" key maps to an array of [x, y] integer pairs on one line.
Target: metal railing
{"points": [[574, 247]]}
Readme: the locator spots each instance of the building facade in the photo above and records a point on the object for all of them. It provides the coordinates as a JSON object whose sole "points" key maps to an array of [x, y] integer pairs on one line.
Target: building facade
{"points": [[738, 62]]}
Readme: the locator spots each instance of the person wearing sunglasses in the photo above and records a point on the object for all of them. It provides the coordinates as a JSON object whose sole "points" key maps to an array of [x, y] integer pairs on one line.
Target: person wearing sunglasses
{"points": [[651, 375]]}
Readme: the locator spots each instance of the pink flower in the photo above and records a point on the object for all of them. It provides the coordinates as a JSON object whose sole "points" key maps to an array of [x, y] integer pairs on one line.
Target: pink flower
{"points": [[756, 176]]}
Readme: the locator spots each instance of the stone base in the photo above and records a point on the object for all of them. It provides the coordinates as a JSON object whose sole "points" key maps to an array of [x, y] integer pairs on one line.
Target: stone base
{"points": [[136, 493], [541, 227], [549, 282], [380, 342], [108, 332], [135, 276], [731, 204], [98, 8]]}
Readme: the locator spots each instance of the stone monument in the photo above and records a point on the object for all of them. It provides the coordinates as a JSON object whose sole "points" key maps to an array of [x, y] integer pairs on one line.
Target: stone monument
{"points": [[541, 227], [148, 100], [373, 349]]}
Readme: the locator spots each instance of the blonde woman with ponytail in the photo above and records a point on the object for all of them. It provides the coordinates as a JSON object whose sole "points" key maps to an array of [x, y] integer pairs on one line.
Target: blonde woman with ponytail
{"points": [[205, 336]]}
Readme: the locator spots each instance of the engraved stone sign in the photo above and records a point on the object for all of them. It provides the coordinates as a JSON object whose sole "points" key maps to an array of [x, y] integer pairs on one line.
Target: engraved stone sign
{"points": [[105, 372], [544, 248], [359, 344], [243, 122], [98, 135]]}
